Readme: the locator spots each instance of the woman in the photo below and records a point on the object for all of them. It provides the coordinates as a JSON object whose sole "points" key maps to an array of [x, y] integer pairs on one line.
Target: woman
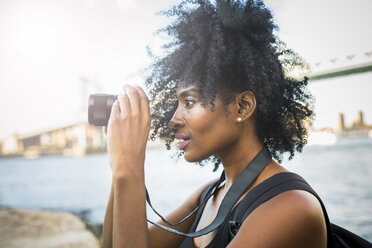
{"points": [[223, 92]]}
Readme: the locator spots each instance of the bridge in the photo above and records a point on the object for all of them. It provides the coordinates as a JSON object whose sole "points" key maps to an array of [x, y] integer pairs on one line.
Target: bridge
{"points": [[343, 66]]}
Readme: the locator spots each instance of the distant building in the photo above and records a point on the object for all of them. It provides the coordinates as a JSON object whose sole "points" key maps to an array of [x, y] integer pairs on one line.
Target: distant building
{"points": [[341, 122], [359, 124], [12, 145], [74, 139], [358, 128]]}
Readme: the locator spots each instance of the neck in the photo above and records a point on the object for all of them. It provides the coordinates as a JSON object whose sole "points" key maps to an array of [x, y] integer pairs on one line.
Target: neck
{"points": [[238, 157]]}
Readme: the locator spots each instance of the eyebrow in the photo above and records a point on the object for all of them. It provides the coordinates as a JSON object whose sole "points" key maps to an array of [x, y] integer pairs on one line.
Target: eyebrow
{"points": [[189, 91]]}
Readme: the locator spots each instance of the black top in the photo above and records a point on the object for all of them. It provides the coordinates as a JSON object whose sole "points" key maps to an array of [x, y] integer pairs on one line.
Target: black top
{"points": [[271, 187]]}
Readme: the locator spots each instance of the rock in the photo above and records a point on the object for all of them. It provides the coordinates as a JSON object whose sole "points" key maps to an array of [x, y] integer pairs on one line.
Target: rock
{"points": [[43, 229]]}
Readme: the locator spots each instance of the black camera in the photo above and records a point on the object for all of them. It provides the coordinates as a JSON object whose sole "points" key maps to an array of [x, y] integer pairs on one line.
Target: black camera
{"points": [[99, 108]]}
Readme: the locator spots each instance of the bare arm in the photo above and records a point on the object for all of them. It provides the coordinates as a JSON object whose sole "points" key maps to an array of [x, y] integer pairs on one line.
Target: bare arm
{"points": [[130, 225], [127, 135], [108, 222], [125, 206], [159, 238]]}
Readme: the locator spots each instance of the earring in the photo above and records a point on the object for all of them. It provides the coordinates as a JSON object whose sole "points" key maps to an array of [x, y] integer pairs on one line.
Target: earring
{"points": [[239, 119]]}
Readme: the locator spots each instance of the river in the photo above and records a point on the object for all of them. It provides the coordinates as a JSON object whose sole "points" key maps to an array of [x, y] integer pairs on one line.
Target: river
{"points": [[341, 174]]}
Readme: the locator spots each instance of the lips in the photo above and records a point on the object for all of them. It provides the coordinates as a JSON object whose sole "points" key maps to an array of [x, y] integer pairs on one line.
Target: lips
{"points": [[186, 140]]}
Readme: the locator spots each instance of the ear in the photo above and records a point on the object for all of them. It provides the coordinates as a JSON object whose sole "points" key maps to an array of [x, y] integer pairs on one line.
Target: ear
{"points": [[246, 106]]}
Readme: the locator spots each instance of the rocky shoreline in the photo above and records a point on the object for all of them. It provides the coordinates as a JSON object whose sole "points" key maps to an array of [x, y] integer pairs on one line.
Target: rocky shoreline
{"points": [[46, 229]]}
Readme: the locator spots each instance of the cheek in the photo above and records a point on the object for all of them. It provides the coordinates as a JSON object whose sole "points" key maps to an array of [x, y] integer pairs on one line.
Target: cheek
{"points": [[199, 120], [208, 125]]}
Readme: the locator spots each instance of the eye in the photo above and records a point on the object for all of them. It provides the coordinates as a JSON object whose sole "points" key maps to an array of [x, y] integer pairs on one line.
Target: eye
{"points": [[189, 103]]}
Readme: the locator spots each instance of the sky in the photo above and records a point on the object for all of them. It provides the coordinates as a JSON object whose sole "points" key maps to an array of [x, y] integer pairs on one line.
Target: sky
{"points": [[49, 49]]}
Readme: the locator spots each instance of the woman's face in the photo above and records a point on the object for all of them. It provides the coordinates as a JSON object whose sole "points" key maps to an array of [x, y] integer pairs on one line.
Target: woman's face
{"points": [[201, 131]]}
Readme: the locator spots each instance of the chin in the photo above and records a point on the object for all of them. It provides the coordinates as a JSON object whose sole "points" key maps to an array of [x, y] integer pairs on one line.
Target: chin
{"points": [[194, 158]]}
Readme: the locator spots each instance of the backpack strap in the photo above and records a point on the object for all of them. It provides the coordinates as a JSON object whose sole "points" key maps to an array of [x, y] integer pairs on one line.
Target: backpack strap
{"points": [[337, 237], [268, 189]]}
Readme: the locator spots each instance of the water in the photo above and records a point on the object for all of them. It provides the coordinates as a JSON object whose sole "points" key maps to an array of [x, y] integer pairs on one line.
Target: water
{"points": [[341, 174]]}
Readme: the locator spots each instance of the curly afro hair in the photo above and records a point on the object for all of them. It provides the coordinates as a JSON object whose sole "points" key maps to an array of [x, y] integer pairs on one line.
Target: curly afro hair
{"points": [[229, 47]]}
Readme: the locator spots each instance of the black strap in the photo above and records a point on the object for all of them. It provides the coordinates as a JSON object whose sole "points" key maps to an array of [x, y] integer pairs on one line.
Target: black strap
{"points": [[277, 184], [241, 184], [337, 237]]}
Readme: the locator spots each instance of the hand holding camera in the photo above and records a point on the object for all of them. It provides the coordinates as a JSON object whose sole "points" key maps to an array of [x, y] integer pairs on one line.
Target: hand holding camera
{"points": [[127, 117]]}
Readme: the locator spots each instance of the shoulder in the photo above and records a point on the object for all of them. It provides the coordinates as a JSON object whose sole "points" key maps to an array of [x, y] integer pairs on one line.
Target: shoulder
{"points": [[291, 219]]}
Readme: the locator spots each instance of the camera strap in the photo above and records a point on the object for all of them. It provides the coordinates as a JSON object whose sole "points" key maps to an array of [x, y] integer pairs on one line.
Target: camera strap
{"points": [[241, 184]]}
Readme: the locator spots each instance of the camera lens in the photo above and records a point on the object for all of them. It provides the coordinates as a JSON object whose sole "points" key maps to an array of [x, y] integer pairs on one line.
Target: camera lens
{"points": [[99, 108]]}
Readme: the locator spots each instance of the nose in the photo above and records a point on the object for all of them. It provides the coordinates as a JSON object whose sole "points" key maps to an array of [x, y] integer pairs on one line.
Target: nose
{"points": [[177, 120]]}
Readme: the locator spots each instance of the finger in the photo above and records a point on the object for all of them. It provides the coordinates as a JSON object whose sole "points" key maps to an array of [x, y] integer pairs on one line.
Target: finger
{"points": [[145, 108], [124, 104], [115, 113], [105, 129], [134, 100]]}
